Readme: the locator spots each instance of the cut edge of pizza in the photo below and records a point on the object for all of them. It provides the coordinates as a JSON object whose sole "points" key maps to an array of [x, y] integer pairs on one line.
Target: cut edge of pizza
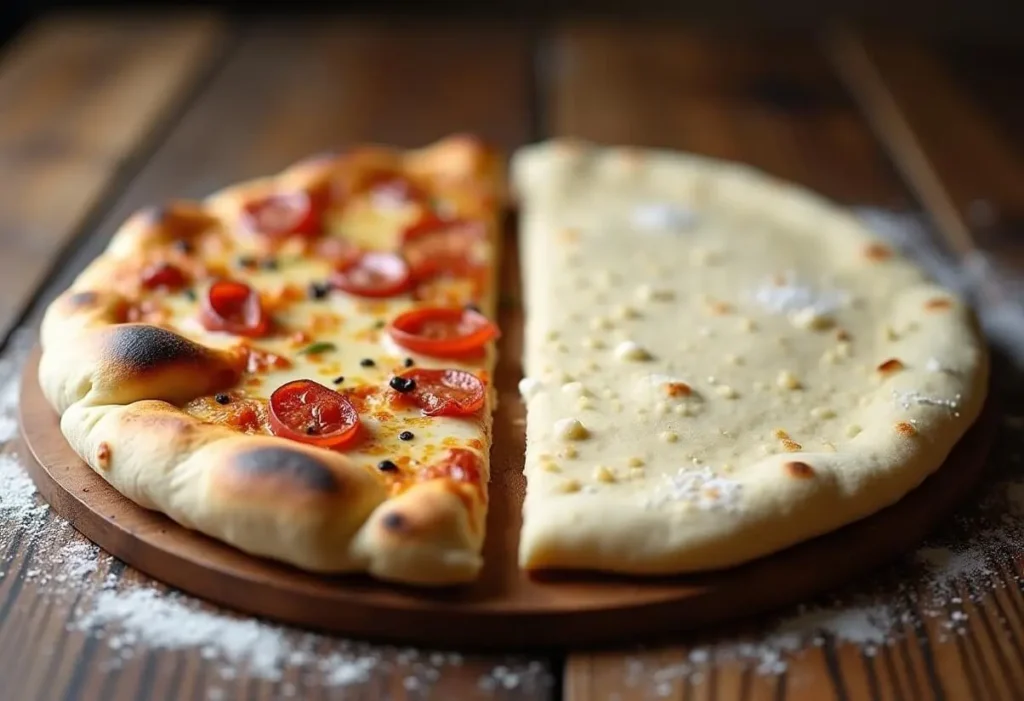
{"points": [[300, 365]]}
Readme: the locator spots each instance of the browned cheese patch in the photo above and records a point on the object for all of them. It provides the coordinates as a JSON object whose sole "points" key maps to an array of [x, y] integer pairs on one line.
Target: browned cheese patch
{"points": [[799, 470], [890, 366], [906, 429]]}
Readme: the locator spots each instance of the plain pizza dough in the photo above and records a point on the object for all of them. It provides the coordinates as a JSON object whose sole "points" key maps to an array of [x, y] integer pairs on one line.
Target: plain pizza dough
{"points": [[719, 364]]}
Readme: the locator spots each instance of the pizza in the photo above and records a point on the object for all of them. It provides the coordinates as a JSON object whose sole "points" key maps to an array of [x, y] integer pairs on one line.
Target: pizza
{"points": [[718, 364], [300, 365]]}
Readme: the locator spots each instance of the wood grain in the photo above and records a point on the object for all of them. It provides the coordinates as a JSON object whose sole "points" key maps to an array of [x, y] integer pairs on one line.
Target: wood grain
{"points": [[961, 163], [778, 106], [82, 98], [287, 90]]}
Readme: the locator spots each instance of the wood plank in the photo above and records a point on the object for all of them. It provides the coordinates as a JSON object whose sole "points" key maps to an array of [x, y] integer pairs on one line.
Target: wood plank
{"points": [[288, 91], [773, 103], [961, 163], [82, 97]]}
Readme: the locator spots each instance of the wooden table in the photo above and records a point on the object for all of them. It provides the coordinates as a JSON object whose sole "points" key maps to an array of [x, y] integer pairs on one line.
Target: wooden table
{"points": [[100, 115]]}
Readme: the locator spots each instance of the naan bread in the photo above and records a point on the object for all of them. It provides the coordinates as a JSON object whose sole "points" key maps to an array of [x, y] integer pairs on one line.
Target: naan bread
{"points": [[719, 364]]}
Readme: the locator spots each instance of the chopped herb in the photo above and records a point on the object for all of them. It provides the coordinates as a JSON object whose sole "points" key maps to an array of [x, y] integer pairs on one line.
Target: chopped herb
{"points": [[247, 261], [269, 264], [222, 398], [318, 347], [319, 290], [339, 379], [402, 384], [386, 466], [190, 294], [405, 436], [367, 362], [379, 324], [182, 246], [409, 362]]}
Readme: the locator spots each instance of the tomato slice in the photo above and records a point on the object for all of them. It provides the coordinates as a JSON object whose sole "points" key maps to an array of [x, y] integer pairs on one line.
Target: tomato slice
{"points": [[442, 332], [458, 464], [283, 214], [442, 392], [435, 246], [165, 275], [373, 274], [234, 307], [308, 412]]}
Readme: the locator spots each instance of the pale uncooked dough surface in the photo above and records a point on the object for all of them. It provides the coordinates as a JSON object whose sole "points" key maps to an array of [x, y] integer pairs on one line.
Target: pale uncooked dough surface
{"points": [[719, 364]]}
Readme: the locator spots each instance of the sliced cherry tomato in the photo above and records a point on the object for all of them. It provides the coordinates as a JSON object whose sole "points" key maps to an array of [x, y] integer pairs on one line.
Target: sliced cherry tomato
{"points": [[442, 332], [166, 275], [308, 412], [283, 214], [373, 274], [234, 307], [434, 246], [458, 464], [442, 392]]}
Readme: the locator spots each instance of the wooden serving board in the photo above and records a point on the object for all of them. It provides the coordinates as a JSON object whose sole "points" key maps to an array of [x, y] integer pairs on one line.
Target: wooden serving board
{"points": [[504, 609]]}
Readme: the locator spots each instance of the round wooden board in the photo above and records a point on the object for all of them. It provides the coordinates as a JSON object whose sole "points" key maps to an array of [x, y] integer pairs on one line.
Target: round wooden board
{"points": [[504, 608]]}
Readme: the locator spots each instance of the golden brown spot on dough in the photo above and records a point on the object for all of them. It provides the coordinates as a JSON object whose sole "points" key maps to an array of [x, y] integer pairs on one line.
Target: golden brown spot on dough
{"points": [[842, 335], [800, 470], [791, 445], [878, 252], [780, 434], [182, 219], [718, 308], [103, 455], [678, 389], [569, 235], [906, 429], [890, 366], [938, 303]]}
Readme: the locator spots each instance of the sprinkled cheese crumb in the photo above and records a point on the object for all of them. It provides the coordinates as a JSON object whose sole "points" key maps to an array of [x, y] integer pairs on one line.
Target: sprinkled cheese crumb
{"points": [[669, 436], [810, 318], [569, 452], [600, 323], [574, 387], [820, 412], [548, 466], [630, 350], [702, 488], [591, 343], [635, 462], [733, 359], [727, 392], [570, 430], [853, 430], [746, 324], [569, 486], [933, 365], [787, 380], [603, 474], [624, 311], [584, 404], [529, 387]]}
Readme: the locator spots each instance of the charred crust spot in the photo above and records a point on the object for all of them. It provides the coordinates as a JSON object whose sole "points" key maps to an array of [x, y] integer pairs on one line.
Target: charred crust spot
{"points": [[394, 521], [83, 300], [289, 465], [103, 455], [800, 470], [842, 335], [906, 429], [141, 348], [938, 303], [877, 252], [889, 366], [678, 389]]}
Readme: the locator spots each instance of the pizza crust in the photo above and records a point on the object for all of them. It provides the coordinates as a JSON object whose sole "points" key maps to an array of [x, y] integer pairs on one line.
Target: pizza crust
{"points": [[708, 414], [118, 388]]}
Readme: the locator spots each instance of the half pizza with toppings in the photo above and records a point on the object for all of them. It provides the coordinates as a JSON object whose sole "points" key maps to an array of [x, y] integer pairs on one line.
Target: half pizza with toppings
{"points": [[300, 365]]}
